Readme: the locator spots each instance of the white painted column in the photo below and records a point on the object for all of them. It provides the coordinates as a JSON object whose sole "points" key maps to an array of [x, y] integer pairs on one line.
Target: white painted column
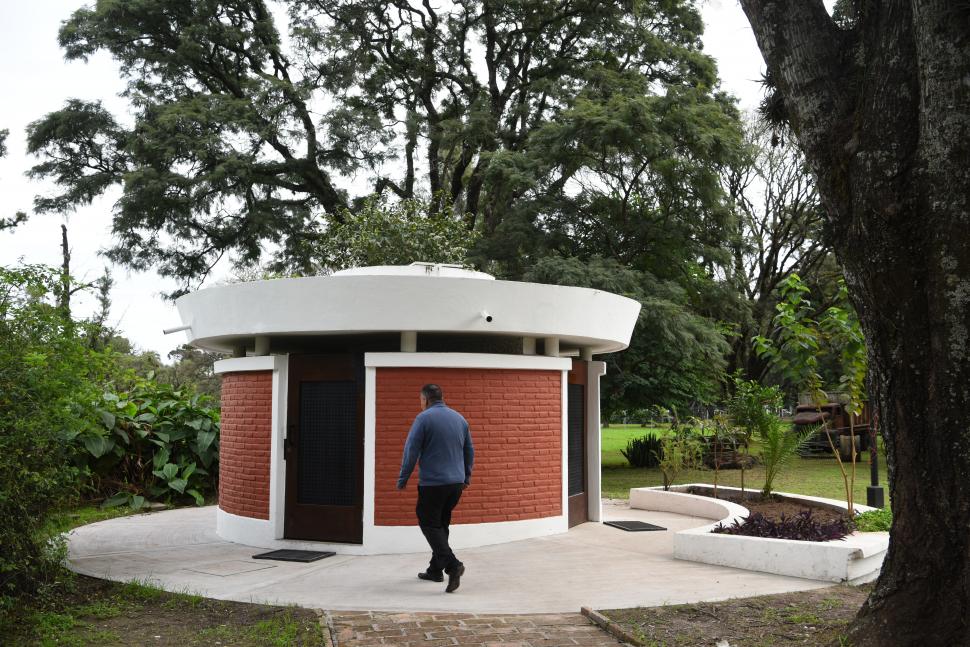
{"points": [[565, 445], [528, 345], [552, 346], [594, 449], [370, 452], [409, 342]]}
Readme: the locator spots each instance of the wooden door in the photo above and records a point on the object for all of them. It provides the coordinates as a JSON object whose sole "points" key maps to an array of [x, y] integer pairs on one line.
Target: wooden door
{"points": [[576, 454], [325, 448]]}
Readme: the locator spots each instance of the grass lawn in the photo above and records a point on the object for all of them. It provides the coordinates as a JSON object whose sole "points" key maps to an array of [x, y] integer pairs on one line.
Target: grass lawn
{"points": [[812, 476], [615, 438]]}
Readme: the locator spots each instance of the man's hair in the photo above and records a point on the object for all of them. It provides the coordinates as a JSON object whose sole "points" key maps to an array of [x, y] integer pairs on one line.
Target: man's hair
{"points": [[431, 392]]}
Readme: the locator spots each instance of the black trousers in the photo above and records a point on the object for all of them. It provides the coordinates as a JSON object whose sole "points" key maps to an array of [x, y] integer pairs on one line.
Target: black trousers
{"points": [[435, 503]]}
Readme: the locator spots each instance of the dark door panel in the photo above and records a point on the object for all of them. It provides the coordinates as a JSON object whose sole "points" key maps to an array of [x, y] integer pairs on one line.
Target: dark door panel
{"points": [[325, 449], [576, 450]]}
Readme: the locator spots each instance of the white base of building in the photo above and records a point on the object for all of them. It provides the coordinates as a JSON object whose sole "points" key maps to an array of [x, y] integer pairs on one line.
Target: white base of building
{"points": [[384, 540]]}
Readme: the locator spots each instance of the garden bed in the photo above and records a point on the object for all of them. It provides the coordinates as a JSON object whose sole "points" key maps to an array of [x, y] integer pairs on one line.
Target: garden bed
{"points": [[856, 558], [775, 506]]}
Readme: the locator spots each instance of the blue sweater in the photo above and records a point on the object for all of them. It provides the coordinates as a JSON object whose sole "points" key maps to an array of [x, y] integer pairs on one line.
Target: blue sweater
{"points": [[440, 441]]}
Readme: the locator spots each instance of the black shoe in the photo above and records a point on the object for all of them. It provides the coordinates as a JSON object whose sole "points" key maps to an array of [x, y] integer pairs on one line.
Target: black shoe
{"points": [[431, 577], [454, 578]]}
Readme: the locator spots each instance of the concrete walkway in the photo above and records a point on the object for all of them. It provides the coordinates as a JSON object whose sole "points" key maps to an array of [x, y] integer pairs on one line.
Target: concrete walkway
{"points": [[592, 565]]}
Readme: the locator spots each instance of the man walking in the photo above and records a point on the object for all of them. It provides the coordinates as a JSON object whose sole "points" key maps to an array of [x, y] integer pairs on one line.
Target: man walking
{"points": [[440, 443]]}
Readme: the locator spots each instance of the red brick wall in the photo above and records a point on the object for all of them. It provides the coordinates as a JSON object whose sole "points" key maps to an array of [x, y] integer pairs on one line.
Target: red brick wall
{"points": [[244, 443], [515, 417]]}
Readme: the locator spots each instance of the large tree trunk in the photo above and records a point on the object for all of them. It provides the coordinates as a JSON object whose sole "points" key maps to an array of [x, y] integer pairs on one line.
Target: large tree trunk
{"points": [[883, 114]]}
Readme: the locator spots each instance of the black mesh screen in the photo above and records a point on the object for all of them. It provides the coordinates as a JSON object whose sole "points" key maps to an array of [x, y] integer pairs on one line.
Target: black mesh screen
{"points": [[577, 450], [329, 446]]}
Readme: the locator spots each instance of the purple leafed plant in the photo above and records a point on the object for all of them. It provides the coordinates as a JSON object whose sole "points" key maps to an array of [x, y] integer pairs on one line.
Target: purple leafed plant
{"points": [[802, 527]]}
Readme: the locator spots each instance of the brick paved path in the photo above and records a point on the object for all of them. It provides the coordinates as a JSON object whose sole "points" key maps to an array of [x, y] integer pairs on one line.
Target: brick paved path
{"points": [[373, 629]]}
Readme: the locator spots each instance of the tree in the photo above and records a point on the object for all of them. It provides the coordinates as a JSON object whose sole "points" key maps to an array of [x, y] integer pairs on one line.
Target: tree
{"points": [[492, 110], [675, 358], [379, 233], [48, 384], [777, 231], [880, 107], [11, 221]]}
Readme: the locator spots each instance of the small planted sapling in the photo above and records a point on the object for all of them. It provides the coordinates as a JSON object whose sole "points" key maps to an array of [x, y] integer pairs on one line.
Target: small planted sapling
{"points": [[802, 340], [679, 451]]}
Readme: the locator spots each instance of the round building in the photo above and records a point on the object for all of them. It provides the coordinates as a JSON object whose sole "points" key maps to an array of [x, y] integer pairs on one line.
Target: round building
{"points": [[319, 396]]}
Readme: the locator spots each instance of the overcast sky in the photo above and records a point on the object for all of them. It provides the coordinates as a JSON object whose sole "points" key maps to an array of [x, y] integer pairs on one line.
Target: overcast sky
{"points": [[37, 80]]}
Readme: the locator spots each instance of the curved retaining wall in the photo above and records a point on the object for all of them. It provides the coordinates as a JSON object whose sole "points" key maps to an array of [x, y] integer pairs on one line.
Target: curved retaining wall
{"points": [[857, 558]]}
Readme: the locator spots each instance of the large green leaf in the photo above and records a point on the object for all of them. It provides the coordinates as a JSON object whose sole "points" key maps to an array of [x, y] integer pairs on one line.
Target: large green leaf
{"points": [[199, 499], [107, 418], [204, 440], [119, 499], [137, 502], [170, 471], [161, 457], [178, 485], [97, 446]]}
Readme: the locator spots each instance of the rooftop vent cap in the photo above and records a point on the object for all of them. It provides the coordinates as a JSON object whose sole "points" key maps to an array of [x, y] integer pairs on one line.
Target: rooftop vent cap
{"points": [[435, 270]]}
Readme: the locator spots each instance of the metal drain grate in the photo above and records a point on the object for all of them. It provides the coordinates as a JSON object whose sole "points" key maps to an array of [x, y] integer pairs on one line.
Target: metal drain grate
{"points": [[295, 555], [633, 526]]}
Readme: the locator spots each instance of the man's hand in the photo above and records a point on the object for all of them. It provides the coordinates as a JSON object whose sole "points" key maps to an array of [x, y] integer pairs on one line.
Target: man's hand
{"points": [[464, 486], [402, 486]]}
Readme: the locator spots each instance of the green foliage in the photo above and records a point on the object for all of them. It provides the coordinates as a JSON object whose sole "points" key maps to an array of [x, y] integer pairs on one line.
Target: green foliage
{"points": [[9, 222], [675, 358], [154, 442], [751, 409], [796, 353], [570, 116], [379, 233], [47, 374], [879, 520], [679, 452], [779, 445], [842, 329], [805, 338], [646, 451]]}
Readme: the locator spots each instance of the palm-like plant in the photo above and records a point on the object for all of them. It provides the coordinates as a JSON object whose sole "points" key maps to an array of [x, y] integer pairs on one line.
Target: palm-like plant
{"points": [[779, 445]]}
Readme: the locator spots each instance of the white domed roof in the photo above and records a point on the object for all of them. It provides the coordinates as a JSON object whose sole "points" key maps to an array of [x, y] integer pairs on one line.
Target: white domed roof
{"points": [[412, 298]]}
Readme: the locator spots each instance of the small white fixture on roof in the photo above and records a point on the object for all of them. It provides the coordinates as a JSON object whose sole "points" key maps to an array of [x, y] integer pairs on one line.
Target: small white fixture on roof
{"points": [[437, 270]]}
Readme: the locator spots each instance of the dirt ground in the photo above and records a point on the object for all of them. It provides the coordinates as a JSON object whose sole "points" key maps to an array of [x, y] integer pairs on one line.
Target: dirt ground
{"points": [[89, 611], [806, 618]]}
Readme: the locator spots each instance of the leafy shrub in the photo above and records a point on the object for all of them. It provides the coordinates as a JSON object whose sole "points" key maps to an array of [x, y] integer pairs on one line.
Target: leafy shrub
{"points": [[879, 520], [47, 374], [678, 452], [802, 527], [643, 452], [154, 442]]}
